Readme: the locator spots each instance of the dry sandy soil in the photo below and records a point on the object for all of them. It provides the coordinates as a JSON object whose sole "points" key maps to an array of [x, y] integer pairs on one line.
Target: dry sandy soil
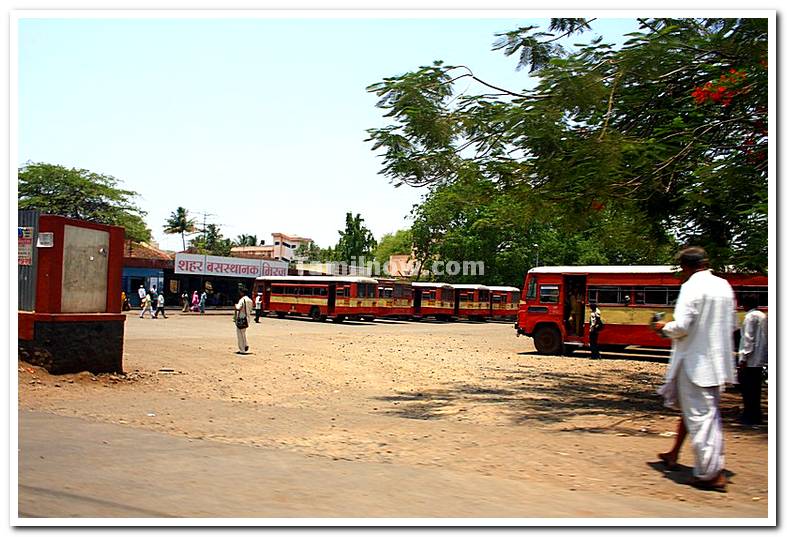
{"points": [[468, 397]]}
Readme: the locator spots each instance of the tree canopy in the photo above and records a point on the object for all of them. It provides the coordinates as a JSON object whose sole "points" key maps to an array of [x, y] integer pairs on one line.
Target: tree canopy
{"points": [[179, 222], [211, 242], [400, 242], [661, 141], [80, 194], [355, 241]]}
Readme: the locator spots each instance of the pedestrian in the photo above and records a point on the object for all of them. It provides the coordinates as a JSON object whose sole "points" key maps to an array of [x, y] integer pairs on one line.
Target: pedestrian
{"points": [[124, 301], [241, 318], [257, 307], [596, 325], [141, 293], [202, 299], [153, 295], [752, 357], [160, 306], [184, 298], [701, 363], [146, 306], [195, 302]]}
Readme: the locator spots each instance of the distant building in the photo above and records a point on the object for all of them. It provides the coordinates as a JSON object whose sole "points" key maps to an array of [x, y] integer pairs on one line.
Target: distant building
{"points": [[402, 266], [144, 264], [283, 248], [264, 251]]}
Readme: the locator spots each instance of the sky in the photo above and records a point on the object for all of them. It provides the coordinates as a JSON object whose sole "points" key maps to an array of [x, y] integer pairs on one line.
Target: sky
{"points": [[257, 122]]}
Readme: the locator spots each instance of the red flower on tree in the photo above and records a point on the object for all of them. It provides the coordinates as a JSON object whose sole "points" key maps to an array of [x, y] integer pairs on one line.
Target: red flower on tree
{"points": [[723, 91]]}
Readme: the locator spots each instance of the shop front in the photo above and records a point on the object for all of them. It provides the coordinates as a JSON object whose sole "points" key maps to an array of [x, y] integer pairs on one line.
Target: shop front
{"points": [[219, 277]]}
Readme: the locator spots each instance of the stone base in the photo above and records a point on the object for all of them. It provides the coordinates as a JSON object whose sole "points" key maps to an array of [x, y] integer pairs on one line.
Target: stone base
{"points": [[72, 347]]}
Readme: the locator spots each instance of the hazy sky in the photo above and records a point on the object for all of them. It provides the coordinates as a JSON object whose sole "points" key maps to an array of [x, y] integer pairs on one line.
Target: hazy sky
{"points": [[260, 122]]}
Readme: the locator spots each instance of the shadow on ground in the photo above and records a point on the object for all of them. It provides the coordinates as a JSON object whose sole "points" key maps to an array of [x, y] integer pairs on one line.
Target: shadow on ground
{"points": [[523, 397]]}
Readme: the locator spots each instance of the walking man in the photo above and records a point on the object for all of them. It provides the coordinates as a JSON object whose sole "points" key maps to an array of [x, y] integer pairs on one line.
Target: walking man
{"points": [[595, 327], [701, 363], [141, 293], [752, 356], [146, 306], [257, 307], [160, 306], [242, 315]]}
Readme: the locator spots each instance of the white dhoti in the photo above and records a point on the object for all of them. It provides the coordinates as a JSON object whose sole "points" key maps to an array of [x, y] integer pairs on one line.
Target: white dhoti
{"points": [[702, 417], [242, 343]]}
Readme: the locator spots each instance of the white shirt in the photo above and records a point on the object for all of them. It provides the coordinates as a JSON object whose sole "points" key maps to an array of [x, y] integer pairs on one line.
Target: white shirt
{"points": [[244, 306], [754, 339], [702, 331], [161, 300], [141, 292], [258, 303]]}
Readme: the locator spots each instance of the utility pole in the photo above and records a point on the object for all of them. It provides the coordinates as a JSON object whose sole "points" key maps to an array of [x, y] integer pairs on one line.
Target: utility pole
{"points": [[205, 224]]}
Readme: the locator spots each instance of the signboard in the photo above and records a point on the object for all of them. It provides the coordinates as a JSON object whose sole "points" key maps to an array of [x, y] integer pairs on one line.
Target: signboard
{"points": [[25, 252], [233, 267], [46, 239]]}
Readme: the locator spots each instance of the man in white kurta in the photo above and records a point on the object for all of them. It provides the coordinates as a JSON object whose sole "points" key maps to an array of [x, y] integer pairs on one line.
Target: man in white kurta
{"points": [[243, 310], [752, 357], [702, 362]]}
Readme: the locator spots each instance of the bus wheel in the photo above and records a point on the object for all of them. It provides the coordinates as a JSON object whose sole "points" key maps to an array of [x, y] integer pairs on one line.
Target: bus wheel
{"points": [[338, 319], [314, 313], [281, 314], [548, 341]]}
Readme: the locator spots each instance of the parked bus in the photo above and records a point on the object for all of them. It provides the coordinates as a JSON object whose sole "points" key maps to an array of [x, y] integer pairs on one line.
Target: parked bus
{"points": [[319, 297], [471, 301], [555, 311], [433, 299], [504, 302], [395, 298]]}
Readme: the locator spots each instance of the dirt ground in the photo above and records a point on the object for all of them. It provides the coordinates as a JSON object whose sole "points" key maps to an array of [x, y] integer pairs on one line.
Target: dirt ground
{"points": [[468, 397]]}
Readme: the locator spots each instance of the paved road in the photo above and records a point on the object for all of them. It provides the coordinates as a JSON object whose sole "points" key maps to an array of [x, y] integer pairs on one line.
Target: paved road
{"points": [[70, 467]]}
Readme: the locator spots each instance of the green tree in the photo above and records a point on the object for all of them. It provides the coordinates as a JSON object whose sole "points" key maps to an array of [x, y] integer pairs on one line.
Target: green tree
{"points": [[211, 242], [665, 136], [355, 241], [246, 240], [80, 194], [309, 251], [400, 242], [179, 222]]}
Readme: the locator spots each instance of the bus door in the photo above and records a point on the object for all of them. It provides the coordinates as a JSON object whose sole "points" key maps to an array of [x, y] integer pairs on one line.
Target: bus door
{"points": [[416, 300], [574, 304], [331, 298], [266, 296]]}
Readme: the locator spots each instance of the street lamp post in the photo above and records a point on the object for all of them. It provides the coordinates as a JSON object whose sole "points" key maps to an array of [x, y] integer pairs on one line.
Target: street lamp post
{"points": [[536, 247]]}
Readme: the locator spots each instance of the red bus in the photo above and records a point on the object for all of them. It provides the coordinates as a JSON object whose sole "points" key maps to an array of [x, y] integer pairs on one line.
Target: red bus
{"points": [[504, 301], [433, 299], [471, 301], [319, 297], [556, 315], [395, 298]]}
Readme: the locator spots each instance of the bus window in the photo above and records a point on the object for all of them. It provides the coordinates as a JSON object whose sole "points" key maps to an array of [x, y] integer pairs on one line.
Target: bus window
{"points": [[760, 292], [549, 294], [531, 288], [659, 296], [497, 299], [483, 296], [607, 295]]}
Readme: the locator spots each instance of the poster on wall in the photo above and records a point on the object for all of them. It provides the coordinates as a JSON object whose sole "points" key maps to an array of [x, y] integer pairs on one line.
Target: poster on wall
{"points": [[25, 251]]}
